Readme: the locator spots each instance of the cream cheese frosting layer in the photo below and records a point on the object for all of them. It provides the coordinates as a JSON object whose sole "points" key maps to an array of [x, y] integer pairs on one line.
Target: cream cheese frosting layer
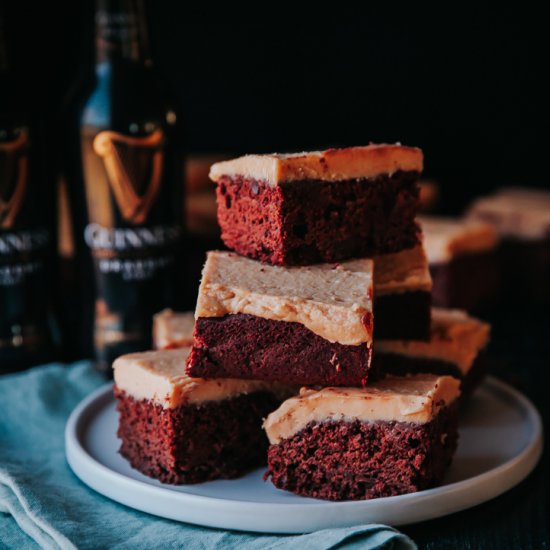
{"points": [[367, 161], [159, 377], [447, 238], [516, 213], [405, 271], [455, 338], [415, 399], [173, 329], [332, 300]]}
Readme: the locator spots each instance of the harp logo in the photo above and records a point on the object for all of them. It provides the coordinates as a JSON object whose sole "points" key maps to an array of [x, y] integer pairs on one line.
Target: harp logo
{"points": [[14, 171], [134, 167]]}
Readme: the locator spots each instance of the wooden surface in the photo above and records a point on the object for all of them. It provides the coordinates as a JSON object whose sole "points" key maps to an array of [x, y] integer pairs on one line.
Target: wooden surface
{"points": [[518, 519]]}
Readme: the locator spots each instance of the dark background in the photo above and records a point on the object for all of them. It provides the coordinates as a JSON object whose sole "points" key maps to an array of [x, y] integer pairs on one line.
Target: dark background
{"points": [[468, 86]]}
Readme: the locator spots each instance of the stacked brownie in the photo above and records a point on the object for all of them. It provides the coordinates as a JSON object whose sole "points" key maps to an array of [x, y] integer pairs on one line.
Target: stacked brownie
{"points": [[327, 287], [326, 260]]}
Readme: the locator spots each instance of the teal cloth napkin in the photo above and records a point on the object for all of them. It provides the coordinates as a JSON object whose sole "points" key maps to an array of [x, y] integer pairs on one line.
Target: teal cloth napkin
{"points": [[43, 503]]}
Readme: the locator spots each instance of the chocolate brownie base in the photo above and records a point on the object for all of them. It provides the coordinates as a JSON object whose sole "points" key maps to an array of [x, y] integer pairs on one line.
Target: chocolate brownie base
{"points": [[311, 221], [191, 444], [359, 460], [467, 282], [403, 316], [245, 346], [384, 364]]}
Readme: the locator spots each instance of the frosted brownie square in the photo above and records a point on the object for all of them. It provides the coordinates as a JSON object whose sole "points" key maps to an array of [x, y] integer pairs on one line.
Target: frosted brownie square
{"points": [[402, 295], [298, 325], [172, 329], [392, 437], [521, 218], [322, 206], [463, 261], [181, 430], [456, 346]]}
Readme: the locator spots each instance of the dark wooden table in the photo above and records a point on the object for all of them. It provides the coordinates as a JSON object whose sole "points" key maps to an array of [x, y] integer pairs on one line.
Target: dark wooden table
{"points": [[519, 519]]}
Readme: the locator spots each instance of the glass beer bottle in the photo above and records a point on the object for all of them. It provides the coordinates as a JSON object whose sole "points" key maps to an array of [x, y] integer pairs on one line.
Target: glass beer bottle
{"points": [[132, 179], [26, 224]]}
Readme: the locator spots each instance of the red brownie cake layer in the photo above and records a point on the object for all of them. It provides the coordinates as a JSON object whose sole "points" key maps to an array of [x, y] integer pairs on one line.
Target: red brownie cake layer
{"points": [[396, 436], [179, 429], [250, 347], [194, 443], [323, 206], [358, 460]]}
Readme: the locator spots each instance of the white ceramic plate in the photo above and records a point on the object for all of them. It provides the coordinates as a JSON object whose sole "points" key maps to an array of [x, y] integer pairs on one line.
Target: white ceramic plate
{"points": [[500, 443]]}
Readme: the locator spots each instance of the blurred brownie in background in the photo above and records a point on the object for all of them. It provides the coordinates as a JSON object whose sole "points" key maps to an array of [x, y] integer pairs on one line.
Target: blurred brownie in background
{"points": [[522, 219], [173, 329], [182, 430], [463, 262]]}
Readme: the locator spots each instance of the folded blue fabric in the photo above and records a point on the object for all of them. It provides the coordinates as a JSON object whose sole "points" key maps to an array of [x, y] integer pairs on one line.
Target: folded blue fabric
{"points": [[43, 503]]}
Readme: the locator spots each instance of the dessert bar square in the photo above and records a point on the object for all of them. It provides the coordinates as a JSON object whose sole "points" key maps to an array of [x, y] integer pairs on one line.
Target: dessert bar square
{"points": [[455, 348], [181, 430], [173, 329], [392, 437], [463, 262], [298, 325], [323, 206], [521, 217]]}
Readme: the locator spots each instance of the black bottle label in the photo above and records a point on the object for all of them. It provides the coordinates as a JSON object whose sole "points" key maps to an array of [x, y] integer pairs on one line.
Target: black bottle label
{"points": [[24, 245], [131, 232]]}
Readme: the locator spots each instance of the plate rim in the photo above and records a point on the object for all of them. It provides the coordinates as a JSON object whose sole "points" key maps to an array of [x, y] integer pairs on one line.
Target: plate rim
{"points": [[84, 465]]}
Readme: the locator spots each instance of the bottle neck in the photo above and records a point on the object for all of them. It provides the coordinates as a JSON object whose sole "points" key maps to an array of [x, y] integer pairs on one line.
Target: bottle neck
{"points": [[121, 32]]}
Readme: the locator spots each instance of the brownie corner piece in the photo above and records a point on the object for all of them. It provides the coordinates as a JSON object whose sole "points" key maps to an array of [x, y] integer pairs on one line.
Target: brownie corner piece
{"points": [[393, 437], [180, 430], [321, 206]]}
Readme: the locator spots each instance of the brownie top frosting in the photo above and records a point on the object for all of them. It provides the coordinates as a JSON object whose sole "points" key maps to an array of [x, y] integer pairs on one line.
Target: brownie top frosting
{"points": [[516, 213], [448, 238], [331, 300], [367, 161], [173, 329], [455, 338], [416, 399], [405, 271], [159, 376]]}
